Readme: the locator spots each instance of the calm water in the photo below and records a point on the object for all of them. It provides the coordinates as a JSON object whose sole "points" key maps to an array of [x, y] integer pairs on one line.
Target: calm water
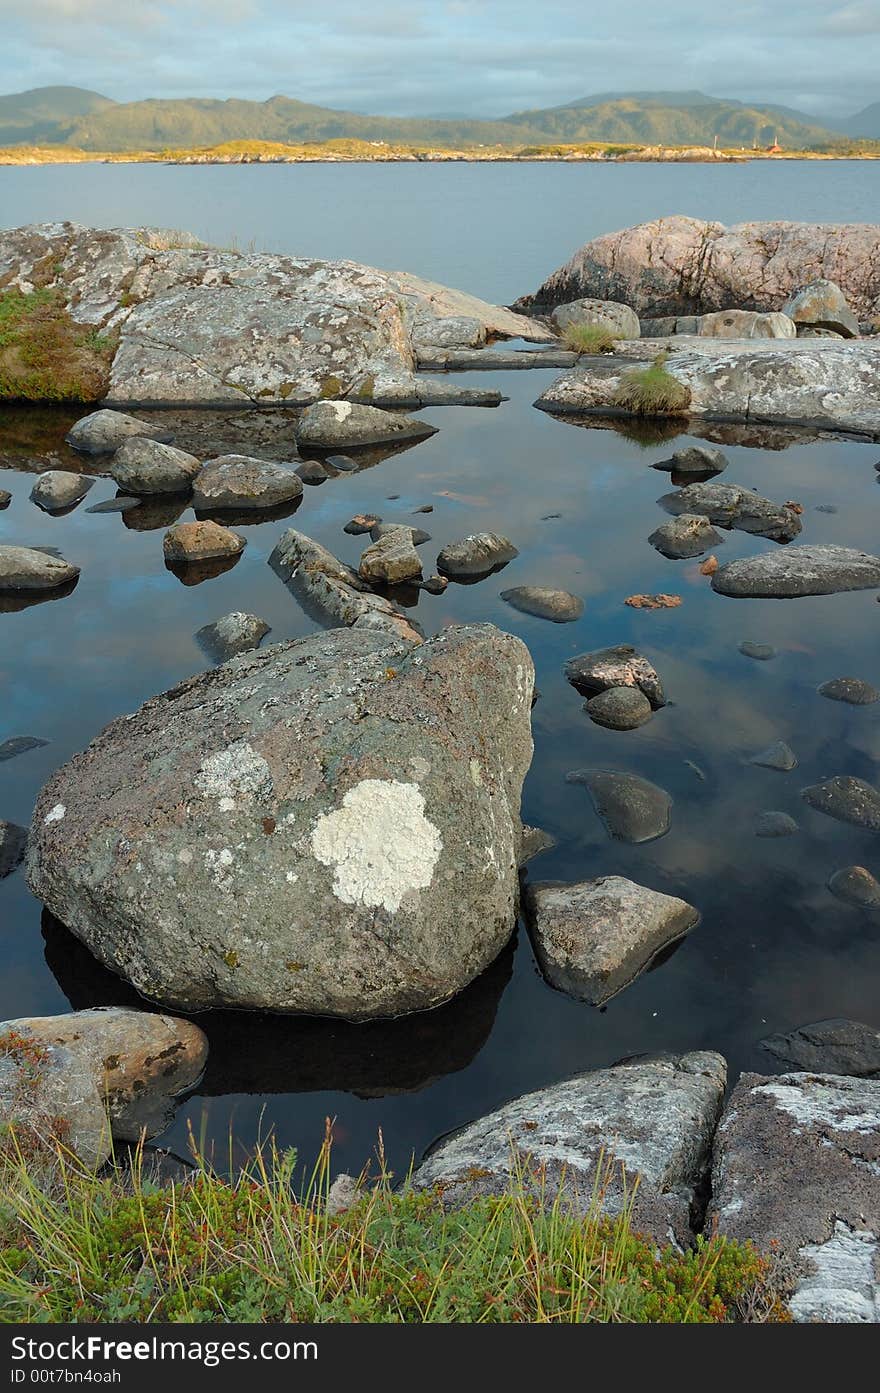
{"points": [[775, 948]]}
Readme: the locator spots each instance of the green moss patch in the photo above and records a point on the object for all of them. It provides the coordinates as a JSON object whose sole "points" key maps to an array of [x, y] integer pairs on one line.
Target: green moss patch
{"points": [[44, 355]]}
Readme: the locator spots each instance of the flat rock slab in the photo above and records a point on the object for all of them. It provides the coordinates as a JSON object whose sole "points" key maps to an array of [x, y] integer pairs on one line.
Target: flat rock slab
{"points": [[653, 1118], [142, 467], [330, 826], [593, 938], [104, 431], [846, 799], [632, 808], [621, 666], [559, 606], [728, 505], [27, 568], [345, 425], [796, 571], [829, 1047], [797, 1166]]}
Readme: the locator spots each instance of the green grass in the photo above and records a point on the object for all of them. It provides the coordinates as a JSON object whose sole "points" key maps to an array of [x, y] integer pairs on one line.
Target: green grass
{"points": [[590, 338], [89, 1248], [44, 355], [652, 391]]}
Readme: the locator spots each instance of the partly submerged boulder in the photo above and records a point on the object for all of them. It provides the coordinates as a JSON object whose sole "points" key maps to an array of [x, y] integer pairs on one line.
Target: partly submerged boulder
{"points": [[330, 826], [794, 571], [27, 568], [238, 482], [345, 425], [143, 467]]}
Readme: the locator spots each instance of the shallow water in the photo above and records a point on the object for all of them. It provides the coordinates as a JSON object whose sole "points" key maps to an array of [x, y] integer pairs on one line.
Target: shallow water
{"points": [[775, 949]]}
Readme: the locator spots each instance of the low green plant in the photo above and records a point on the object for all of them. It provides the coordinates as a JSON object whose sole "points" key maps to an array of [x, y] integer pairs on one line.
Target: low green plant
{"points": [[590, 338], [100, 1247], [652, 391], [45, 355]]}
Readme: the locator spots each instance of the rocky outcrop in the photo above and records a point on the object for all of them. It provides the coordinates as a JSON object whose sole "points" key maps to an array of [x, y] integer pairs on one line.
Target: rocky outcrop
{"points": [[85, 1079], [651, 1118], [796, 1171], [794, 571], [332, 593], [329, 826], [685, 266]]}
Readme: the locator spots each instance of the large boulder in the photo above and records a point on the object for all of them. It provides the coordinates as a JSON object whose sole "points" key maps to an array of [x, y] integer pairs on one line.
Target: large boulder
{"points": [[685, 266], [822, 306], [103, 431], [26, 568], [330, 826], [745, 324], [796, 1171], [59, 490], [652, 1118], [730, 505], [794, 571], [144, 467], [345, 425], [608, 314], [240, 482]]}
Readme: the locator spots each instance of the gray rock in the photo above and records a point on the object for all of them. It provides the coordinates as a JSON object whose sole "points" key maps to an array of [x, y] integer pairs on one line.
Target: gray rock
{"points": [[592, 939], [231, 635], [772, 823], [312, 471], [330, 826], [632, 809], [847, 799], [795, 571], [855, 885], [849, 689], [343, 464], [104, 431], [761, 652], [335, 425], [534, 841], [392, 559], [240, 482], [19, 745], [13, 841], [797, 1165], [143, 467], [28, 568], [115, 505], [621, 666], [418, 536], [200, 541], [102, 1073], [619, 708], [829, 1047], [699, 460], [651, 1118], [342, 1194], [688, 535], [451, 331], [745, 324], [559, 606], [333, 593], [728, 505], [58, 490], [821, 305], [476, 555], [776, 756], [620, 319]]}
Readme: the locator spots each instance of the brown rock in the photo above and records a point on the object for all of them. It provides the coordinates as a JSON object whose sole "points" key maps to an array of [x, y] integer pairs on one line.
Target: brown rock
{"points": [[200, 541]]}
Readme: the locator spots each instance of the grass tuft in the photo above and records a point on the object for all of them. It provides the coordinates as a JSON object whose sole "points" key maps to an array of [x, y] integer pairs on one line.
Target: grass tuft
{"points": [[590, 338], [44, 355], [652, 391]]}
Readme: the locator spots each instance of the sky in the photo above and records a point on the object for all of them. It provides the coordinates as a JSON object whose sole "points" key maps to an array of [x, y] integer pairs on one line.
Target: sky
{"points": [[448, 57]]}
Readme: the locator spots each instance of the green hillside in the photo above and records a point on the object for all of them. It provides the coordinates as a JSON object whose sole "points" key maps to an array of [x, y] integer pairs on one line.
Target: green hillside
{"points": [[35, 116]]}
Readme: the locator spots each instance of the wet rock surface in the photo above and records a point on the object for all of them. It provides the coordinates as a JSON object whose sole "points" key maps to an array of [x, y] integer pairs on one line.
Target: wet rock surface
{"points": [[856, 885], [592, 939], [779, 756], [58, 490], [621, 666], [772, 823], [728, 505], [800, 570], [847, 799], [761, 652], [559, 606], [829, 1047], [619, 708], [475, 556], [632, 808], [13, 841]]}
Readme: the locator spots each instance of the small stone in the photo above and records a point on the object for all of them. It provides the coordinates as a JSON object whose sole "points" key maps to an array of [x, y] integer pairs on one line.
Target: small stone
{"points": [[622, 666], [847, 800], [312, 471], [200, 541], [360, 523], [776, 756], [5, 498], [477, 555], [58, 490], [343, 464], [391, 560], [104, 431], [343, 1193], [142, 466], [775, 824], [382, 529], [232, 634], [826, 508], [435, 585], [849, 689], [19, 745], [709, 566], [559, 606], [661, 601], [632, 809], [534, 841], [115, 505], [619, 708], [761, 652], [698, 461], [241, 482], [856, 885], [13, 841], [425, 508], [689, 535]]}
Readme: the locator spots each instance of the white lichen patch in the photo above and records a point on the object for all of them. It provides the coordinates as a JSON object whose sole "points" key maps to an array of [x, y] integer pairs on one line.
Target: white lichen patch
{"points": [[842, 1287], [236, 770], [55, 815], [379, 843], [834, 1104]]}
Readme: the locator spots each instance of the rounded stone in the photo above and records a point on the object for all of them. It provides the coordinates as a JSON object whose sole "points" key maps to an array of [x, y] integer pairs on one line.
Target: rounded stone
{"points": [[141, 466], [559, 606], [772, 823], [60, 489], [200, 541], [619, 708], [855, 885], [849, 689]]}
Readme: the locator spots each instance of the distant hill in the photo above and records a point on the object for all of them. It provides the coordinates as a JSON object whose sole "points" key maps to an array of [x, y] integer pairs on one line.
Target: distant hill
{"points": [[85, 120], [865, 124]]}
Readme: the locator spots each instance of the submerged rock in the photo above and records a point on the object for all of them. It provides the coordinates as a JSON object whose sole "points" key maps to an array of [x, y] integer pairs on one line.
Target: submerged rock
{"points": [[849, 689], [699, 460], [534, 841], [632, 808], [856, 885], [231, 635], [200, 541], [59, 490], [142, 466], [592, 939], [689, 535], [27, 568], [13, 841], [619, 708], [761, 652], [240, 482], [728, 505], [392, 559], [104, 431], [649, 1117], [330, 826], [847, 799], [19, 745], [335, 425], [559, 606], [772, 823], [312, 471], [476, 556], [795, 571], [795, 1171], [122, 504], [829, 1047], [5, 498], [621, 666], [776, 756]]}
